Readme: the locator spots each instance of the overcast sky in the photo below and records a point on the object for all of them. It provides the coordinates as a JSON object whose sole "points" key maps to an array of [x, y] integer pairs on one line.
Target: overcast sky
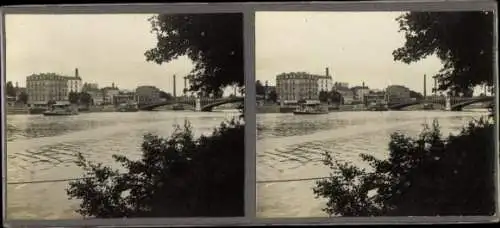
{"points": [[356, 46], [105, 48]]}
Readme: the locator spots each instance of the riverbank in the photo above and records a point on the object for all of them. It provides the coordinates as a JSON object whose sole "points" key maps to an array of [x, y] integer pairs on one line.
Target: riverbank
{"points": [[271, 108]]}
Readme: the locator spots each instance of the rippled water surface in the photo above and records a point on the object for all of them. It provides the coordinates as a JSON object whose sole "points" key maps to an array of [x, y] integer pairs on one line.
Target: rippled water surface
{"points": [[292, 147], [44, 148]]}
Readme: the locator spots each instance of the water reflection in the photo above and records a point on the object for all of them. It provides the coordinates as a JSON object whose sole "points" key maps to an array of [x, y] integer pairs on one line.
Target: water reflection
{"points": [[292, 147], [45, 148]]}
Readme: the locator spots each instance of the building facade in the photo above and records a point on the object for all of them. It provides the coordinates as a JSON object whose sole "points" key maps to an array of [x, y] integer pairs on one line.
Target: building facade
{"points": [[97, 96], [147, 94], [325, 82], [75, 83], [89, 87], [347, 95], [292, 87], [124, 98], [109, 93], [340, 85], [375, 97], [360, 92], [397, 94], [42, 88]]}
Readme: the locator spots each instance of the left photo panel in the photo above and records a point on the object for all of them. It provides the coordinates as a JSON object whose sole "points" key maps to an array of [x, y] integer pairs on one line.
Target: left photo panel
{"points": [[124, 115]]}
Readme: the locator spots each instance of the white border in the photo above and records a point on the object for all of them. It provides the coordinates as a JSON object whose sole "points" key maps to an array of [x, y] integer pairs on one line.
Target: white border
{"points": [[250, 132]]}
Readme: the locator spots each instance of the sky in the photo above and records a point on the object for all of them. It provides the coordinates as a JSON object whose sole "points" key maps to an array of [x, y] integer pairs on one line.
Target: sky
{"points": [[356, 46], [106, 48]]}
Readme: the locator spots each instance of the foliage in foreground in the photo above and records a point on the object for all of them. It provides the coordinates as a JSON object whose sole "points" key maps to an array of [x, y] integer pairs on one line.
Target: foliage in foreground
{"points": [[426, 176], [463, 41], [177, 177], [216, 50]]}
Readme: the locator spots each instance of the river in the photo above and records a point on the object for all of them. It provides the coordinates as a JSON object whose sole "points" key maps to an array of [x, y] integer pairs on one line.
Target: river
{"points": [[44, 148], [292, 147]]}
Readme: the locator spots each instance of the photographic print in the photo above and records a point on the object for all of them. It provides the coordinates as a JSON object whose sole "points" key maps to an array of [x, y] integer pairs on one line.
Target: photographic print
{"points": [[124, 115], [375, 114]]}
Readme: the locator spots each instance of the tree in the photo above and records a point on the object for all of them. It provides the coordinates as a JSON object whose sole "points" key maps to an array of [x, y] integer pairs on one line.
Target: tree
{"points": [[51, 103], [85, 98], [259, 88], [218, 93], [463, 41], [10, 90], [323, 96], [74, 98], [426, 176], [164, 181], [88, 87], [335, 96], [23, 97], [214, 42], [180, 176], [273, 96]]}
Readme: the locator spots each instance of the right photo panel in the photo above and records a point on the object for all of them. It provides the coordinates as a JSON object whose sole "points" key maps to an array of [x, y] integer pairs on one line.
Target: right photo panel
{"points": [[375, 114]]}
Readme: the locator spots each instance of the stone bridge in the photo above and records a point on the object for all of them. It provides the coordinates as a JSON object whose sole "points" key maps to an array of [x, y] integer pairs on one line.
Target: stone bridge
{"points": [[199, 104], [451, 103]]}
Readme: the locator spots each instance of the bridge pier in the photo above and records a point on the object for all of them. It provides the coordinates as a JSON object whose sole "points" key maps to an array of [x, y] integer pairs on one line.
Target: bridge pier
{"points": [[447, 105], [197, 106]]}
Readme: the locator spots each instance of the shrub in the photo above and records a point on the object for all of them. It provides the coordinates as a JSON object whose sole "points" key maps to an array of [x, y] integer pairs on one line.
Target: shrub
{"points": [[426, 176], [176, 177]]}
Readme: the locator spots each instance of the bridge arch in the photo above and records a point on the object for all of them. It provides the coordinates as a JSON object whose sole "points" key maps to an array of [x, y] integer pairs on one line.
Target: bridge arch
{"points": [[150, 107], [412, 103], [209, 107], [459, 106], [454, 106]]}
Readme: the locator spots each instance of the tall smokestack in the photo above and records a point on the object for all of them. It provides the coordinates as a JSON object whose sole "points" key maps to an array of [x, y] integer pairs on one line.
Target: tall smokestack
{"points": [[327, 72], [76, 73], [175, 90], [425, 86]]}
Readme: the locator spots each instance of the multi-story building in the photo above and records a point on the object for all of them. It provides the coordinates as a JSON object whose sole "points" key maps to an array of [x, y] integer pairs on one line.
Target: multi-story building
{"points": [[340, 85], [124, 98], [325, 82], [97, 96], [75, 83], [375, 97], [90, 86], [109, 93], [397, 94], [346, 94], [292, 87], [42, 88], [147, 95], [360, 92]]}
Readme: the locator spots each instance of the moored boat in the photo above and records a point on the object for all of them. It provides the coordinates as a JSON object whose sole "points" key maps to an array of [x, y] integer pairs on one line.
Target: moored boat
{"points": [[127, 108], [36, 110], [178, 107], [378, 107], [428, 107], [310, 109], [60, 110]]}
